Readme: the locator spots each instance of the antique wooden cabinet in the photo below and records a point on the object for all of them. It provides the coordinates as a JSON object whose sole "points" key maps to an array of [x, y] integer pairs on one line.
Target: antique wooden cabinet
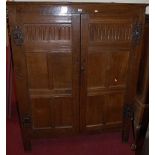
{"points": [[76, 66]]}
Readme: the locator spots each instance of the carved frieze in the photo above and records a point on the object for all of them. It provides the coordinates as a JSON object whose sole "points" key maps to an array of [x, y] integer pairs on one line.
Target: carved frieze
{"points": [[110, 32], [47, 32]]}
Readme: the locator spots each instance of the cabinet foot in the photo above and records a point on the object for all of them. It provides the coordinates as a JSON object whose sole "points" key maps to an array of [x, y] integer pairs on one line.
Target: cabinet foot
{"points": [[26, 139], [27, 145], [125, 136]]}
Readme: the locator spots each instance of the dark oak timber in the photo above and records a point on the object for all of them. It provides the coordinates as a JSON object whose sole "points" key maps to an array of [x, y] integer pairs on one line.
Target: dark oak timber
{"points": [[76, 66]]}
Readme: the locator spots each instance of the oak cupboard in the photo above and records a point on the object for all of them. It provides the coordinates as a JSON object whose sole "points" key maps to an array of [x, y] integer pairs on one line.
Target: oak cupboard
{"points": [[76, 66]]}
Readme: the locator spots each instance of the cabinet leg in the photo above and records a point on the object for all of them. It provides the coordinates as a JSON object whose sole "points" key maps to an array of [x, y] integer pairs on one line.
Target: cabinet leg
{"points": [[26, 139], [126, 131], [128, 115], [125, 136], [27, 144]]}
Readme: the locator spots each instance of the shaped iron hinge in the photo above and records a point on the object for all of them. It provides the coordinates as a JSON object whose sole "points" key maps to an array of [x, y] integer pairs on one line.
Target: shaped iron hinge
{"points": [[128, 112], [18, 36], [27, 121], [137, 34]]}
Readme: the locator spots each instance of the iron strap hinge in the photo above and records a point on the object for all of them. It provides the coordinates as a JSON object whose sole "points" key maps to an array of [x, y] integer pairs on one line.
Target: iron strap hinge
{"points": [[27, 121], [18, 36], [128, 112], [137, 33]]}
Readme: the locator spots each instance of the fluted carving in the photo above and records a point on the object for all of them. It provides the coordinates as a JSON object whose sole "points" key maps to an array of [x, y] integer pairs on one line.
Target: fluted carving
{"points": [[43, 32], [110, 32]]}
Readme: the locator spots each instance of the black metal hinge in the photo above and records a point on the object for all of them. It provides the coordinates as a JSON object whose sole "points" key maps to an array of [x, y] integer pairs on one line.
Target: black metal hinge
{"points": [[137, 34], [27, 121], [18, 36], [128, 112]]}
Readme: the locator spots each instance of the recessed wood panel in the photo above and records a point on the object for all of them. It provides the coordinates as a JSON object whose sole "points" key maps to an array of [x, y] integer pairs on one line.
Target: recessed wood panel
{"points": [[97, 66], [63, 112], [60, 70], [41, 112], [37, 70], [95, 110], [118, 68], [114, 108]]}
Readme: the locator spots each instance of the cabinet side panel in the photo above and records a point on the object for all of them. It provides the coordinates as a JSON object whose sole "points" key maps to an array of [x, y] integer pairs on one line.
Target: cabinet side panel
{"points": [[21, 81]]}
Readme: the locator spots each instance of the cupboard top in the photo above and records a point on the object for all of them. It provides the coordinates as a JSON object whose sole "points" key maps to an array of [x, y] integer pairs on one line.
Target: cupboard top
{"points": [[76, 7]]}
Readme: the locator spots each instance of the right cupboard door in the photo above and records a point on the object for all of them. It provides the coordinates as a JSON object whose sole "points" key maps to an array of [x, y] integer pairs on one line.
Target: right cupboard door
{"points": [[106, 61]]}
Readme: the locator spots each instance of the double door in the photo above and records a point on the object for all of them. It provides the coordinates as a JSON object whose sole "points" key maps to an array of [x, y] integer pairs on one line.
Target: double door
{"points": [[73, 71]]}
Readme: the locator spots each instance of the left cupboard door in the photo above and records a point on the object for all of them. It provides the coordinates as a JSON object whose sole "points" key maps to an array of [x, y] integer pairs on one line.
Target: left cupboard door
{"points": [[46, 58]]}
